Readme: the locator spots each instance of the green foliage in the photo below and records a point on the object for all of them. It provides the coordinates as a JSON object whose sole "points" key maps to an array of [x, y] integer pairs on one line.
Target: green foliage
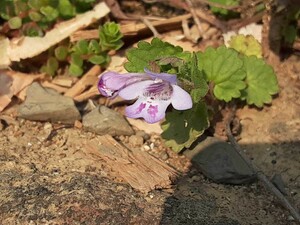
{"points": [[261, 82], [50, 67], [46, 12], [81, 47], [15, 22], [66, 9], [182, 128], [221, 11], [145, 53], [61, 53], [110, 36], [197, 77], [228, 73], [223, 67], [246, 45], [49, 12]]}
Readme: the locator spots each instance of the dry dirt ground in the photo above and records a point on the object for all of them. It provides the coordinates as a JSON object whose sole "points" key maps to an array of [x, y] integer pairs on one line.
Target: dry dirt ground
{"points": [[50, 177]]}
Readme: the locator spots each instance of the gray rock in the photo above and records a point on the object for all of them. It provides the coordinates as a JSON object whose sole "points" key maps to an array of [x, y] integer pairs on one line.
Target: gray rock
{"points": [[103, 120], [219, 161], [45, 104]]}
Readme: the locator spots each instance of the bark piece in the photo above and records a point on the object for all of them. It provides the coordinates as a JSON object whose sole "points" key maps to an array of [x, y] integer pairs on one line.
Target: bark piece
{"points": [[43, 104], [141, 170], [89, 79]]}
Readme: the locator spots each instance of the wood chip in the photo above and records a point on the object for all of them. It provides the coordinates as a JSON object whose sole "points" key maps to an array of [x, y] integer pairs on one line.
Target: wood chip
{"points": [[64, 81], [141, 170], [89, 79], [58, 88]]}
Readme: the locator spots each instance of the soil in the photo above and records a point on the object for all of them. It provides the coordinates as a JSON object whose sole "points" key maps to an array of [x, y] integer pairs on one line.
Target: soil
{"points": [[48, 177]]}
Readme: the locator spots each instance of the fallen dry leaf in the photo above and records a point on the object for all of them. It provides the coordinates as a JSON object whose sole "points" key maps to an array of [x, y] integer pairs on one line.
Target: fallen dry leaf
{"points": [[12, 83]]}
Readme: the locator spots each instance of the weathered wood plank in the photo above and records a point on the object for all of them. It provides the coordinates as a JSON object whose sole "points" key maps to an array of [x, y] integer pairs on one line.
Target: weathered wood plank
{"points": [[141, 170]]}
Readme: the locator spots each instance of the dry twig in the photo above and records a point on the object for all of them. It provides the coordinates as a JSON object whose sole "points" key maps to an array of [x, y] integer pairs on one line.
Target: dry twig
{"points": [[195, 17], [260, 175]]}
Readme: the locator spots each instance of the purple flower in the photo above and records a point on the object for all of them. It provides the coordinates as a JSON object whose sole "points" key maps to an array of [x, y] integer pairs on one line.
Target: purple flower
{"points": [[154, 92]]}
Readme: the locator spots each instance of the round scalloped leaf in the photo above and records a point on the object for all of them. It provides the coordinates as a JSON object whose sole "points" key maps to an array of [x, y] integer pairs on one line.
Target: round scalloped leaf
{"points": [[223, 67], [140, 57], [261, 82], [182, 128], [246, 45]]}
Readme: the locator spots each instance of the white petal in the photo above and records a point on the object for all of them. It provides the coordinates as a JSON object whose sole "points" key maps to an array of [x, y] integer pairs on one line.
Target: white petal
{"points": [[181, 100]]}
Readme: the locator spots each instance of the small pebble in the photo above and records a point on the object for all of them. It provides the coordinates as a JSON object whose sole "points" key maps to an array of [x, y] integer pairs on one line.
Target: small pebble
{"points": [[164, 156], [136, 140], [48, 126], [290, 218], [143, 134], [146, 147], [152, 146]]}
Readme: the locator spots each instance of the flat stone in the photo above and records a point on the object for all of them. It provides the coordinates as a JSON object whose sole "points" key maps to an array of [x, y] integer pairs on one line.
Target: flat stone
{"points": [[45, 104], [220, 162], [103, 120]]}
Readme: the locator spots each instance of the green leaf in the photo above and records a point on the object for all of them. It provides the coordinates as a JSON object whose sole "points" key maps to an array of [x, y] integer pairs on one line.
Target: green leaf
{"points": [[261, 82], [49, 12], [182, 128], [223, 67], [33, 31], [222, 11], [76, 59], [66, 9], [200, 84], [35, 16], [246, 45], [99, 59], [110, 36], [140, 57], [37, 4], [15, 22], [75, 70], [51, 66], [94, 47], [61, 52], [81, 47]]}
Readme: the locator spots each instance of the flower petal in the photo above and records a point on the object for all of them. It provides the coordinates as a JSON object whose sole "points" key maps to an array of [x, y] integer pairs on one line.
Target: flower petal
{"points": [[134, 90], [181, 100], [111, 82], [151, 111], [163, 76]]}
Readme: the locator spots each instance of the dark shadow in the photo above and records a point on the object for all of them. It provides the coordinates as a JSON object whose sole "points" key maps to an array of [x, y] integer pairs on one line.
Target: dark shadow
{"points": [[198, 200]]}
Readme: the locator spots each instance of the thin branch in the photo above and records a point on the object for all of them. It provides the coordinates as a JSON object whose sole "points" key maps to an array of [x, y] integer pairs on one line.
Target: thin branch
{"points": [[260, 175], [151, 27], [196, 18]]}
